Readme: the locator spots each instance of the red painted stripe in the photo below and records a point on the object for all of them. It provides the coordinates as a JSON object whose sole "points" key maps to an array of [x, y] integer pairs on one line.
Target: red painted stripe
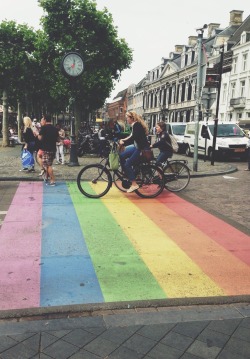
{"points": [[20, 249], [233, 240], [228, 271]]}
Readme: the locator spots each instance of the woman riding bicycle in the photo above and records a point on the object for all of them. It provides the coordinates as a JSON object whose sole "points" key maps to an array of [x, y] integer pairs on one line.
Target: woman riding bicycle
{"points": [[163, 143], [131, 154]]}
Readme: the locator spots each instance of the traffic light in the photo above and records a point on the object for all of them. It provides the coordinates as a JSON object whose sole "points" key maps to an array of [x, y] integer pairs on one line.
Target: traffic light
{"points": [[212, 78]]}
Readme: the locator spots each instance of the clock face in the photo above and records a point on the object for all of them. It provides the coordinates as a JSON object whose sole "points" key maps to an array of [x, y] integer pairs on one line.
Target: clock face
{"points": [[73, 64]]}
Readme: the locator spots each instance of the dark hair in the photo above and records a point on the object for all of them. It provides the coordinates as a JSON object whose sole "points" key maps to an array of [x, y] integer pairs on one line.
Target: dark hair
{"points": [[162, 125], [47, 117]]}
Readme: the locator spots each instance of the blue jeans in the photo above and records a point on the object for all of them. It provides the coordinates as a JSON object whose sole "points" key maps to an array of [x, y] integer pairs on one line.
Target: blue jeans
{"points": [[163, 156], [128, 158]]}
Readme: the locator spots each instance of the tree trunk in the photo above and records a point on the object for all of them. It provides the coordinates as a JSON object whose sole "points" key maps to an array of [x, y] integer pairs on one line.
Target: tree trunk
{"points": [[5, 130], [19, 121]]}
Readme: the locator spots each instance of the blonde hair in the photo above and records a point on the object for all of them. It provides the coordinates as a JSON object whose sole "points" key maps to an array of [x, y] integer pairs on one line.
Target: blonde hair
{"points": [[27, 123], [138, 118]]}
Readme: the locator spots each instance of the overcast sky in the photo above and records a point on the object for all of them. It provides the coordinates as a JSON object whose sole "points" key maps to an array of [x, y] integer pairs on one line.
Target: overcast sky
{"points": [[151, 28]]}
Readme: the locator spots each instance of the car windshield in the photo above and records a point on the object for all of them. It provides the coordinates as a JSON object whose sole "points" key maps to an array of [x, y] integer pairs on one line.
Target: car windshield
{"points": [[179, 130], [227, 130]]}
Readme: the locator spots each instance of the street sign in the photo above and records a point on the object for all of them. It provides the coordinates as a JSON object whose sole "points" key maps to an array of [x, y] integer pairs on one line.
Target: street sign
{"points": [[226, 69], [227, 62]]}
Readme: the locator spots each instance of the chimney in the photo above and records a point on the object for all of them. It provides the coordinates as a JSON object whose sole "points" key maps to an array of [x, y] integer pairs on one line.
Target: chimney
{"points": [[192, 40], [236, 17], [178, 48], [211, 27]]}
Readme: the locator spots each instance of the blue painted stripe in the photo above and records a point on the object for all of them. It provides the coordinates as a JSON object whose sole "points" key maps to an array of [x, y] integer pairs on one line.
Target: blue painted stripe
{"points": [[67, 272]]}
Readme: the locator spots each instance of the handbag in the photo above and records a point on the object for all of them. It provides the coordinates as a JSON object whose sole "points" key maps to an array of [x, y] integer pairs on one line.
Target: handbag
{"points": [[147, 155], [27, 159], [114, 160]]}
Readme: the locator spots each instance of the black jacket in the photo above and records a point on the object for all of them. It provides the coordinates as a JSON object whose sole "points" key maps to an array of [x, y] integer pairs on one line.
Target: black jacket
{"points": [[139, 137], [163, 143]]}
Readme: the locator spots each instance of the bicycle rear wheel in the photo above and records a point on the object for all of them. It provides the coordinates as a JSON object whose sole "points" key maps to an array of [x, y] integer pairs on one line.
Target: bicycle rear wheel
{"points": [[177, 176], [94, 181], [150, 178]]}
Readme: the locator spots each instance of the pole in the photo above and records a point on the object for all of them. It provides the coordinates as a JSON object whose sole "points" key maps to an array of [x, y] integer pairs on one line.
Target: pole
{"points": [[217, 104], [198, 97], [73, 160]]}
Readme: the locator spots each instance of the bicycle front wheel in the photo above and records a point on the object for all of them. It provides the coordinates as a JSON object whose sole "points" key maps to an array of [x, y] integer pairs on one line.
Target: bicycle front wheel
{"points": [[177, 176], [150, 178], [120, 182], [94, 181]]}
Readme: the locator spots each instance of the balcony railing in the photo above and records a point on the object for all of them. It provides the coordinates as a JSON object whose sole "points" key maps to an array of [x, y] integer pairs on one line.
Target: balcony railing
{"points": [[238, 102]]}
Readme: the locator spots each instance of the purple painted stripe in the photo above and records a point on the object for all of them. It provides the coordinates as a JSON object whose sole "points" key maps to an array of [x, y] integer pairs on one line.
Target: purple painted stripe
{"points": [[20, 249]]}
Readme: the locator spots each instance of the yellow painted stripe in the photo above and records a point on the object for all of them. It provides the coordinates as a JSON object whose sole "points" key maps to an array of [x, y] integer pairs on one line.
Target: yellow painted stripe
{"points": [[175, 272]]}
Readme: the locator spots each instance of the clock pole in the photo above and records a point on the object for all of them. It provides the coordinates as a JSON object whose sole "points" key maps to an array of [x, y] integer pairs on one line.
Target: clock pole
{"points": [[73, 159], [72, 67]]}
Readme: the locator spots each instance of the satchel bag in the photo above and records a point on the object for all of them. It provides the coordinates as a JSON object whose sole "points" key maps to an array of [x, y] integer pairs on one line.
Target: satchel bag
{"points": [[173, 144], [114, 160], [147, 155], [27, 159]]}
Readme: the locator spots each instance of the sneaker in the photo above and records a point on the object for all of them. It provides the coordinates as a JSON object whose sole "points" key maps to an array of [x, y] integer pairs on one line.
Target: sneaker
{"points": [[51, 184], [57, 163], [62, 163], [133, 188], [31, 170], [41, 173], [23, 169], [247, 169]]}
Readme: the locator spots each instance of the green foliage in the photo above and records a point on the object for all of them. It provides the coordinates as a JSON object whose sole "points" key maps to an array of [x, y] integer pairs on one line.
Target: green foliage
{"points": [[78, 25], [30, 62]]}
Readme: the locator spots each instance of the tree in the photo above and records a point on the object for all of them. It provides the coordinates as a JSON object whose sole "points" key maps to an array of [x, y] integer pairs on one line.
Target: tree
{"points": [[17, 44], [78, 25]]}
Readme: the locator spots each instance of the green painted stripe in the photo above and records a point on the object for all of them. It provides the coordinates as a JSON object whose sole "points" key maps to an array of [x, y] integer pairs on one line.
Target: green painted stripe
{"points": [[121, 272]]}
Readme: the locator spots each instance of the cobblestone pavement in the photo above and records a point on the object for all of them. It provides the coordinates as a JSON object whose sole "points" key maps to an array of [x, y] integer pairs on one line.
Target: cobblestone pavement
{"points": [[10, 166], [182, 328]]}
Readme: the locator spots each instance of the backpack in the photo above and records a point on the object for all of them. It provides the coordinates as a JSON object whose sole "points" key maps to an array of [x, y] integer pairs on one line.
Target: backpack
{"points": [[174, 144]]}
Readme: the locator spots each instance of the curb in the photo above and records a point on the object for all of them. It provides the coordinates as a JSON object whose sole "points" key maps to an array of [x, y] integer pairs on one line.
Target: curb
{"points": [[95, 309], [231, 169]]}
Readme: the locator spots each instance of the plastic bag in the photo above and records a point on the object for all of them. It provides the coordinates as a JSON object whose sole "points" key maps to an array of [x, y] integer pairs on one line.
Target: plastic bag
{"points": [[114, 160], [27, 159]]}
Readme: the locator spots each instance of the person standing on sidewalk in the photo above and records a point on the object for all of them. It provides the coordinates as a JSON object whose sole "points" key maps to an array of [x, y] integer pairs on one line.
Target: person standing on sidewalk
{"points": [[29, 139], [60, 145], [48, 136]]}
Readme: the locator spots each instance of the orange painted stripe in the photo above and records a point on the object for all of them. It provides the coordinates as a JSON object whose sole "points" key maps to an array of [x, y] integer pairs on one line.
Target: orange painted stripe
{"points": [[233, 240], [230, 273]]}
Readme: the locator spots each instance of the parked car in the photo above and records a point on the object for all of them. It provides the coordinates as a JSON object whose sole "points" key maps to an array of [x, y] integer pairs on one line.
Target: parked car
{"points": [[230, 140], [177, 129]]}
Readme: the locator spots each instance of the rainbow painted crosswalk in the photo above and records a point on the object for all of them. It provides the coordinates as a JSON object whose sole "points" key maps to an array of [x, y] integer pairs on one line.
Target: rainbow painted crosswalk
{"points": [[58, 247]]}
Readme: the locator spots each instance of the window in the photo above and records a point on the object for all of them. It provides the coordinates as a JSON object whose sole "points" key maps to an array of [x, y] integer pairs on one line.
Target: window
{"points": [[234, 65], [244, 63], [224, 93], [242, 88], [233, 85]]}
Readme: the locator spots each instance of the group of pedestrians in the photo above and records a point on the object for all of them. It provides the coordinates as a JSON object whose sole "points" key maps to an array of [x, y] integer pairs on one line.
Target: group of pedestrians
{"points": [[46, 141]]}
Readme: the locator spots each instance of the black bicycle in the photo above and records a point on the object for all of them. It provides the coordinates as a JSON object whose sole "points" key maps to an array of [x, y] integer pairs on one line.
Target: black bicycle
{"points": [[95, 180], [176, 175]]}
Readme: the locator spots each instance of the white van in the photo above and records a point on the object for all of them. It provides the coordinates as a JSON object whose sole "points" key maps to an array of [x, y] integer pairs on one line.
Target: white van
{"points": [[177, 129], [230, 140]]}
